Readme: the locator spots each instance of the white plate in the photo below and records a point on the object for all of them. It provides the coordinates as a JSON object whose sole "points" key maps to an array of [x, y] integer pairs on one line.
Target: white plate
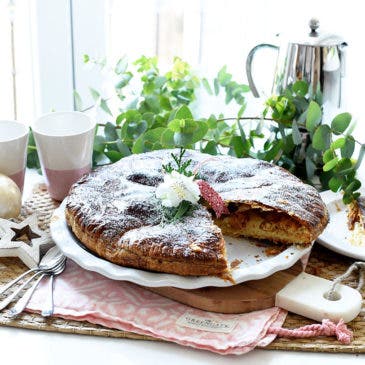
{"points": [[335, 236], [255, 264]]}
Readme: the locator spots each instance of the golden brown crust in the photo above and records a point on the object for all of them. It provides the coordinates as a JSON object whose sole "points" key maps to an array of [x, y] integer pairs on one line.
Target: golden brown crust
{"points": [[155, 256], [114, 212]]}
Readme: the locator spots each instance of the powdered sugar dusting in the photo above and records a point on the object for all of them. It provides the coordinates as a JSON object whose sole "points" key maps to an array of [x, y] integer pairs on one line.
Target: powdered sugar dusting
{"points": [[119, 201]]}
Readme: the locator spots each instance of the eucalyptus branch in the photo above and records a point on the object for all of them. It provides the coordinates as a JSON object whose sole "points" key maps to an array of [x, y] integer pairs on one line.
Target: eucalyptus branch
{"points": [[160, 118]]}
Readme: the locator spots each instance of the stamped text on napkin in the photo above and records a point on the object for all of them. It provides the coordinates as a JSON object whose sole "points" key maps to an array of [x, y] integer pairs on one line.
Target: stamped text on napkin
{"points": [[206, 324]]}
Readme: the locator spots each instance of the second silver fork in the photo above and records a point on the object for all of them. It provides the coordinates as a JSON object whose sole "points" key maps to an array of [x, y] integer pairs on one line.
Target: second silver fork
{"points": [[23, 301]]}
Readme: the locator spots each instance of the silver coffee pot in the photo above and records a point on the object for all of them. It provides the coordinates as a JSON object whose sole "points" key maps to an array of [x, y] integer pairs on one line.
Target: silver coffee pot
{"points": [[317, 58]]}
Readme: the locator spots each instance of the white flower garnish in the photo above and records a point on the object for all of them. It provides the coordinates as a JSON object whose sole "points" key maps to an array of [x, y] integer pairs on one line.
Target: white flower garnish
{"points": [[176, 188]]}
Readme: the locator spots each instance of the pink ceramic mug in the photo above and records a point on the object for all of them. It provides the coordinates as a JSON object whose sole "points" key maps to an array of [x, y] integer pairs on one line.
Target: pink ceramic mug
{"points": [[65, 144], [13, 150]]}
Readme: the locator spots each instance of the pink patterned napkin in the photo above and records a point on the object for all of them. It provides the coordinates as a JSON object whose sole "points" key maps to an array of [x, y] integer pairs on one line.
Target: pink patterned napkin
{"points": [[87, 296]]}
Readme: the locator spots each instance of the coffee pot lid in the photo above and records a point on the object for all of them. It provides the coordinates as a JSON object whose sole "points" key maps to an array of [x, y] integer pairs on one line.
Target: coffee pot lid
{"points": [[317, 38]]}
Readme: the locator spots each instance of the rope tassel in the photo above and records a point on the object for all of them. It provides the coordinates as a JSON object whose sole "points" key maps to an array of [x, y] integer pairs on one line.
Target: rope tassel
{"points": [[327, 328]]}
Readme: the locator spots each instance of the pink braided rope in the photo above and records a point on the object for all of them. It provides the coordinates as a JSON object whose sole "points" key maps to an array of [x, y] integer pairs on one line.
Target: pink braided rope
{"points": [[327, 328]]}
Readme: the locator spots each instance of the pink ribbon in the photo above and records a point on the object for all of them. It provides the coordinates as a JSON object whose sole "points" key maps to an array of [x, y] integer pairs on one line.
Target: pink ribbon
{"points": [[327, 328]]}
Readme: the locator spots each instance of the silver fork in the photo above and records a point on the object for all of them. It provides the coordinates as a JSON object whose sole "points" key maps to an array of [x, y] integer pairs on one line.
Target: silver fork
{"points": [[23, 301], [48, 308], [49, 260]]}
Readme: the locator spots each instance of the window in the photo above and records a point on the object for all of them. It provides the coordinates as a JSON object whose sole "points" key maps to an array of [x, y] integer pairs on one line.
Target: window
{"points": [[16, 74], [49, 38]]}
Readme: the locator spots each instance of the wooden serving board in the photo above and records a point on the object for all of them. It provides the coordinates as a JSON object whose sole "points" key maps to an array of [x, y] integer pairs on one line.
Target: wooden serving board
{"points": [[246, 297]]}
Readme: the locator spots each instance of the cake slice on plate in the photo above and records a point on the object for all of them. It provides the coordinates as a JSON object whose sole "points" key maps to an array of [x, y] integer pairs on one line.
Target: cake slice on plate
{"points": [[114, 212]]}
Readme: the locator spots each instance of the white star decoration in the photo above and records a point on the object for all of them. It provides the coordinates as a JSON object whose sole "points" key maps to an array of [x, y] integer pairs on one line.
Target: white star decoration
{"points": [[23, 240]]}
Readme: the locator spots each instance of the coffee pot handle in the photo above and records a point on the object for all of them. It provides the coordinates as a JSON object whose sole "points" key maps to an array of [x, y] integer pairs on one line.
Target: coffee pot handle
{"points": [[249, 65]]}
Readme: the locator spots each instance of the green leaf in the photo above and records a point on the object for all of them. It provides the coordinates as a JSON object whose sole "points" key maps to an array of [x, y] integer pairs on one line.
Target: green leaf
{"points": [[341, 122], [223, 77], [183, 139], [322, 137], [361, 156], [353, 186], [149, 118], [78, 101], [241, 111], [152, 103], [328, 156], [288, 144], [139, 146], [344, 166], [314, 116], [113, 156], [167, 138], [338, 143], [183, 125], [201, 131], [132, 130], [94, 93], [229, 97], [351, 128], [181, 210], [123, 80], [133, 116], [330, 164], [216, 86], [310, 168], [165, 102], [86, 58], [348, 149], [207, 86], [32, 155], [183, 113], [160, 81], [212, 122], [274, 151], [297, 137], [121, 65], [133, 104], [110, 132], [300, 88], [240, 146], [123, 148], [211, 148], [335, 184], [149, 141], [347, 198], [99, 143], [104, 106]]}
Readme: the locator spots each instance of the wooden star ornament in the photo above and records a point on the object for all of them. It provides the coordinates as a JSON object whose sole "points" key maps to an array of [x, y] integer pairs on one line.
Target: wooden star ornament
{"points": [[24, 240]]}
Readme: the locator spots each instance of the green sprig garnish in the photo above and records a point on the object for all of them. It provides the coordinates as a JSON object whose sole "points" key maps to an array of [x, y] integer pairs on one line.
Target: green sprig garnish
{"points": [[181, 167]]}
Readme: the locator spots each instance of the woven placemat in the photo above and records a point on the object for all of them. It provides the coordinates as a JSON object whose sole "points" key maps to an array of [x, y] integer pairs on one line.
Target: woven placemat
{"points": [[323, 263]]}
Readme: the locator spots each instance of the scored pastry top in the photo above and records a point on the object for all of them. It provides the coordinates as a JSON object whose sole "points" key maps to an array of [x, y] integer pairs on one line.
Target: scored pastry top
{"points": [[118, 203]]}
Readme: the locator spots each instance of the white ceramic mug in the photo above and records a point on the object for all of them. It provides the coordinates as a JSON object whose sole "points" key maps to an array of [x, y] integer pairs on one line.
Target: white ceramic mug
{"points": [[13, 150], [65, 144]]}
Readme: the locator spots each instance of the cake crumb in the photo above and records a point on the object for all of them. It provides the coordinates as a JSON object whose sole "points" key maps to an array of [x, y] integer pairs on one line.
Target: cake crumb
{"points": [[235, 263], [274, 250], [338, 208]]}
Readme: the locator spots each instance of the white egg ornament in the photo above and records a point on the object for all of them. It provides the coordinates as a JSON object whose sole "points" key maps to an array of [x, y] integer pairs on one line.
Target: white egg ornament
{"points": [[10, 198]]}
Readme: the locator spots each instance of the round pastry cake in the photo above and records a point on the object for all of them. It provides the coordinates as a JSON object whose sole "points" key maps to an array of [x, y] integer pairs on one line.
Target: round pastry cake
{"points": [[114, 212]]}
